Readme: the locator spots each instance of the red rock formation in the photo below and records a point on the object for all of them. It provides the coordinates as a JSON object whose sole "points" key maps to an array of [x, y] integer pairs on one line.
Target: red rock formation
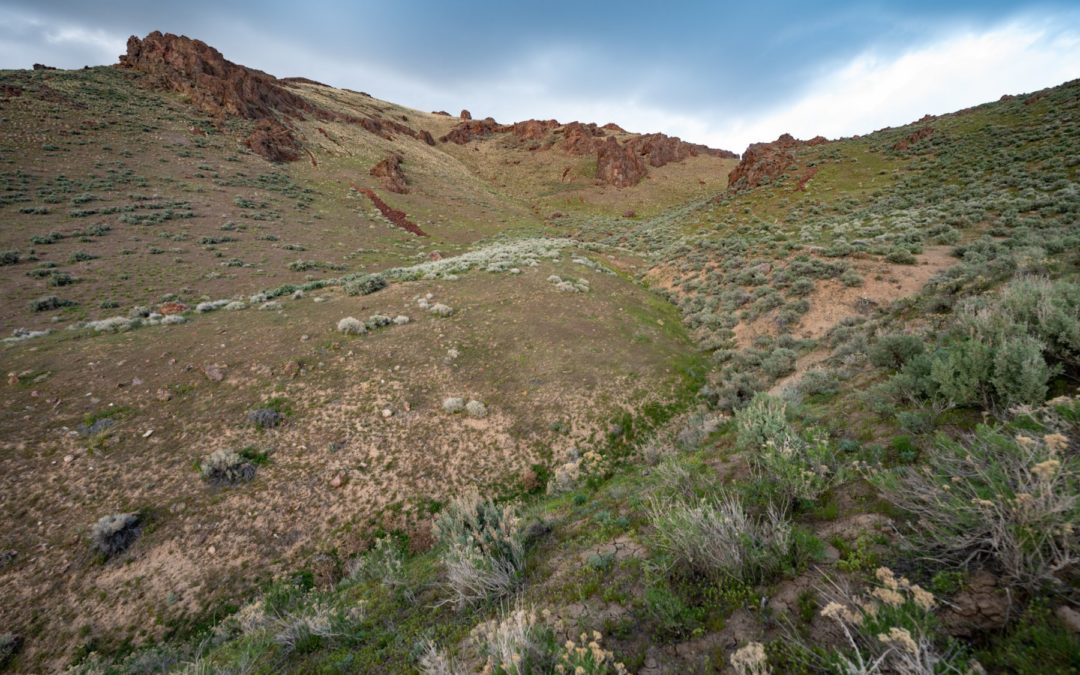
{"points": [[10, 91], [763, 162], [274, 141], [303, 80], [395, 216], [168, 308], [533, 130], [619, 165], [214, 84], [580, 139], [442, 113], [390, 171], [611, 126], [222, 88], [465, 115], [913, 138], [470, 129]]}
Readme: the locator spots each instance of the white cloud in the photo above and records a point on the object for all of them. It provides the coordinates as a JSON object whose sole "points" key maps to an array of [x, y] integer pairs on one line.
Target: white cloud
{"points": [[872, 91]]}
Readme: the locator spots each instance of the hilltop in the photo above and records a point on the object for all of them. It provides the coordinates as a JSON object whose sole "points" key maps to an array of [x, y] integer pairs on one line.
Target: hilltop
{"points": [[302, 380]]}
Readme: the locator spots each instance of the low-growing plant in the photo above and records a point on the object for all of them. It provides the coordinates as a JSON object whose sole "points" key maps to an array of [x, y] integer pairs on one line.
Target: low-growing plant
{"points": [[226, 467], [484, 552], [1011, 502], [365, 285], [762, 420], [716, 539], [48, 303], [114, 534]]}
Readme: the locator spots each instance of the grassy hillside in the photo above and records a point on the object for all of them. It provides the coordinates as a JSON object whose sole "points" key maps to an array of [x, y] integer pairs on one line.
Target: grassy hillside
{"points": [[828, 421]]}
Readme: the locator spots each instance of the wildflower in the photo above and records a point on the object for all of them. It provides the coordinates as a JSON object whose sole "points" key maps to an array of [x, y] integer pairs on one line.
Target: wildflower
{"points": [[923, 598], [986, 503], [900, 637], [1025, 499], [838, 612], [888, 596], [751, 659], [1026, 442], [1044, 471], [1056, 442], [886, 577]]}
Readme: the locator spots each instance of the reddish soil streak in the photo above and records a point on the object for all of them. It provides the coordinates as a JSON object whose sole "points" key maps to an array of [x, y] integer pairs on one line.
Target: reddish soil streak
{"points": [[396, 217]]}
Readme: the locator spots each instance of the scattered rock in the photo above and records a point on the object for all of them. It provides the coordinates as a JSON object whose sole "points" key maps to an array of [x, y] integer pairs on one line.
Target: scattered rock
{"points": [[389, 169], [1070, 617], [170, 308], [453, 404], [214, 372], [163, 394], [982, 605]]}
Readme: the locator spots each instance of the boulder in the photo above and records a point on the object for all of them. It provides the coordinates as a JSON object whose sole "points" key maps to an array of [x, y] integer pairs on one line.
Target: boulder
{"points": [[389, 169]]}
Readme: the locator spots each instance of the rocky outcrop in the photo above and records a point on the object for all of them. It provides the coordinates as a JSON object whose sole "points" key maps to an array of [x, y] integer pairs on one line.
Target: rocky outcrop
{"points": [[533, 130], [390, 171], [465, 115], [580, 139], [223, 89], [471, 129], [764, 162], [619, 165], [914, 137], [274, 141], [214, 84]]}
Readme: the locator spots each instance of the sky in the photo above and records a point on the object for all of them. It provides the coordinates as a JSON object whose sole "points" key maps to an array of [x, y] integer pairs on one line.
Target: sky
{"points": [[720, 73]]}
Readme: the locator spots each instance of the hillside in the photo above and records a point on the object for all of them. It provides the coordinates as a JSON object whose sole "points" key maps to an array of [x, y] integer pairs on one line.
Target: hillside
{"points": [[370, 389]]}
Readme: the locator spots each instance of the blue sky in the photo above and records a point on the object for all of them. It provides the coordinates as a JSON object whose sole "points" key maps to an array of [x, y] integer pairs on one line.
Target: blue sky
{"points": [[720, 73]]}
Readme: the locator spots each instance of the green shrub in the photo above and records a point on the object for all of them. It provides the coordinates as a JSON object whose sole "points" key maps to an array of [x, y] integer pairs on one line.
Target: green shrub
{"points": [[1012, 502], [894, 351], [761, 421], [716, 539], [365, 285], [9, 258], [48, 303], [483, 553], [900, 256]]}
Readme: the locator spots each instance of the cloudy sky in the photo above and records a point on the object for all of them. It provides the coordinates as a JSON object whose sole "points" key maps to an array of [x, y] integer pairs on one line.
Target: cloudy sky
{"points": [[715, 72]]}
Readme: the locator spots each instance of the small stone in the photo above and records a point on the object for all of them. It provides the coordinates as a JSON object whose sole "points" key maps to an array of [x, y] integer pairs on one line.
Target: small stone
{"points": [[1070, 617], [214, 373], [148, 433], [337, 481], [387, 412], [211, 550], [68, 458], [163, 395]]}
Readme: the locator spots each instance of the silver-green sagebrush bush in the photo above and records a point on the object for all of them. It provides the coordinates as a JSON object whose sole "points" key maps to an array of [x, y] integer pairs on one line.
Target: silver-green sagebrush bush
{"points": [[227, 467], [1012, 502], [484, 552], [115, 533]]}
